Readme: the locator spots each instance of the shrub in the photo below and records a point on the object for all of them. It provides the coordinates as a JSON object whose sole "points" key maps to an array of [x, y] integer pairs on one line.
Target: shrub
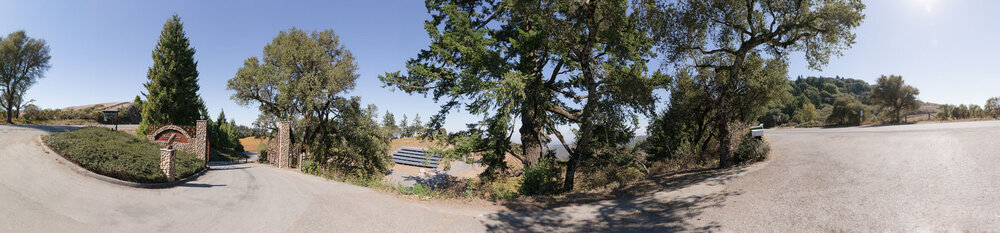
{"points": [[751, 150], [119, 155], [846, 111], [542, 178]]}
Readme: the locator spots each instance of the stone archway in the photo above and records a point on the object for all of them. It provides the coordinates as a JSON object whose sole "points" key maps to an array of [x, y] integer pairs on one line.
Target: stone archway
{"points": [[191, 139]]}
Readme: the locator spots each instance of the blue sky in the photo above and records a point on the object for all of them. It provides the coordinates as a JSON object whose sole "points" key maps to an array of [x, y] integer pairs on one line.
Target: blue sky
{"points": [[101, 50]]}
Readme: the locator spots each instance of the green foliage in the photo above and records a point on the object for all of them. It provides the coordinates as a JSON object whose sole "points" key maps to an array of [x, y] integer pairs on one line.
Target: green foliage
{"points": [[224, 134], [807, 113], [891, 92], [548, 63], [962, 111], [722, 38], [691, 117], [751, 150], [542, 178], [389, 122], [301, 77], [131, 114], [23, 60], [846, 111], [820, 93], [119, 155], [992, 107], [504, 193], [90, 114], [172, 90]]}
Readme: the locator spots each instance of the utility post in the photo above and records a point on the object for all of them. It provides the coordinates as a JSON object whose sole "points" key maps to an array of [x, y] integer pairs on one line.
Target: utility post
{"points": [[862, 120]]}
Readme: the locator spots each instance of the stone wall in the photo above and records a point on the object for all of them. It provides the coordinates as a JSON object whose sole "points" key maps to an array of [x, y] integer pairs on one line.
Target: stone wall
{"points": [[197, 138]]}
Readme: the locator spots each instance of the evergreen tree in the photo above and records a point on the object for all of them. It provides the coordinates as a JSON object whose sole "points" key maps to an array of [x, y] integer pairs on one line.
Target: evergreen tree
{"points": [[417, 127], [172, 89], [233, 132], [389, 122], [404, 127], [218, 137]]}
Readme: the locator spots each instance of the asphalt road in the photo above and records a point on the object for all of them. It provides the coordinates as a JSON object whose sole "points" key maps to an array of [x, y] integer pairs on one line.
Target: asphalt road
{"points": [[37, 194], [911, 178]]}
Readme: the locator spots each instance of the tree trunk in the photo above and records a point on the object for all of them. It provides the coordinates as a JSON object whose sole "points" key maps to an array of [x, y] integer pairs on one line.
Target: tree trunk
{"points": [[530, 132], [586, 130], [8, 100], [570, 179], [9, 114], [722, 114], [725, 152]]}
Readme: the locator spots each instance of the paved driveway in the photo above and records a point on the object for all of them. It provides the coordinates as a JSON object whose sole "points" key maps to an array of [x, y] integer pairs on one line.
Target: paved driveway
{"points": [[912, 178], [37, 194]]}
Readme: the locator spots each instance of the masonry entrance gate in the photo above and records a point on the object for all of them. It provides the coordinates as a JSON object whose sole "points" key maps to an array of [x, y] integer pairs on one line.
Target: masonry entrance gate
{"points": [[191, 139]]}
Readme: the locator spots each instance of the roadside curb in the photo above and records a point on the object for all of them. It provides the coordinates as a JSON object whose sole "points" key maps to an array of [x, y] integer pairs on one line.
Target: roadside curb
{"points": [[83, 171]]}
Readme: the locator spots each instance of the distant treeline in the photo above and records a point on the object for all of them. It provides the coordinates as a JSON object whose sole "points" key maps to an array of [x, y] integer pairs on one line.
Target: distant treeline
{"points": [[822, 101]]}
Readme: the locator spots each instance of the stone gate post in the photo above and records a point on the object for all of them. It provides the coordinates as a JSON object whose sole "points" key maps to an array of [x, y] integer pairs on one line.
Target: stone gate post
{"points": [[167, 158], [201, 140], [284, 143]]}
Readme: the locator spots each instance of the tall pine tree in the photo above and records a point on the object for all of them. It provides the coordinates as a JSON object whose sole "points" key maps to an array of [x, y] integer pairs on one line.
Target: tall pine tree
{"points": [[172, 89]]}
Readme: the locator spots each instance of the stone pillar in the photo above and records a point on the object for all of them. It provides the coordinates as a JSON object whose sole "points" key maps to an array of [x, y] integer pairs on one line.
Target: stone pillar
{"points": [[167, 158], [201, 140], [284, 143]]}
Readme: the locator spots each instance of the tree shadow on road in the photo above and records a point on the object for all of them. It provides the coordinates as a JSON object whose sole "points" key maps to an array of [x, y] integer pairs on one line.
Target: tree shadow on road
{"points": [[429, 180], [221, 168], [635, 208], [194, 185]]}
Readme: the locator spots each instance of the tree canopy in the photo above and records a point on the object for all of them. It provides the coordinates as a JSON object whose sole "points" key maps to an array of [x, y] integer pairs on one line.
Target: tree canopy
{"points": [[891, 92], [23, 60], [721, 38], [302, 77], [172, 90], [543, 64], [992, 107]]}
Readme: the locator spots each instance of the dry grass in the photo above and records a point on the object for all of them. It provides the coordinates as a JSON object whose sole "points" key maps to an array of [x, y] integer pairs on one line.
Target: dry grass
{"points": [[252, 143], [102, 106], [411, 142]]}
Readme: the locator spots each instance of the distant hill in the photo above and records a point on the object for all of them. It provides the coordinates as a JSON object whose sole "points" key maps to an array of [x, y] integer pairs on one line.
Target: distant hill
{"points": [[563, 155], [102, 106]]}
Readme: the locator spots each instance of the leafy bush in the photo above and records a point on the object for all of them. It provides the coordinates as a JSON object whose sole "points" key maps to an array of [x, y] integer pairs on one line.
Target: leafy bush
{"points": [[119, 155], [262, 156], [542, 178], [751, 150], [223, 133], [846, 111]]}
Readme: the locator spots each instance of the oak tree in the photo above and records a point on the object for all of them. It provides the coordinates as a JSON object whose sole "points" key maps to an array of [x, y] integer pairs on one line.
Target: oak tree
{"points": [[891, 92], [23, 60], [302, 77], [721, 36]]}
